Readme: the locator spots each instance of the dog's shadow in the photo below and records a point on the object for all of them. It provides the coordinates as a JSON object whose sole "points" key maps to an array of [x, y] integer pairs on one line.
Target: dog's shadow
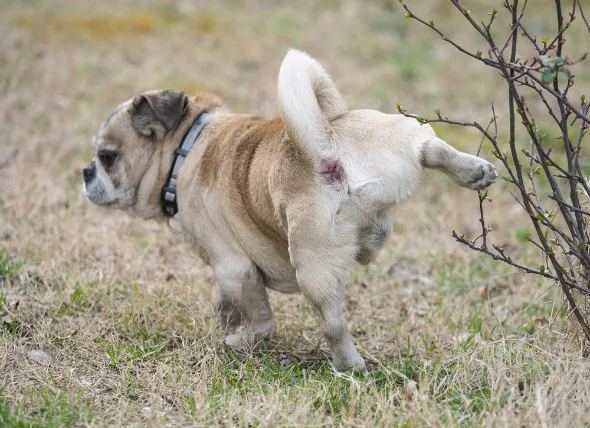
{"points": [[273, 355]]}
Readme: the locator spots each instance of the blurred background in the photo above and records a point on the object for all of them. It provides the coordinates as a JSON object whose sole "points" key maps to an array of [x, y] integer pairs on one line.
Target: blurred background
{"points": [[88, 280]]}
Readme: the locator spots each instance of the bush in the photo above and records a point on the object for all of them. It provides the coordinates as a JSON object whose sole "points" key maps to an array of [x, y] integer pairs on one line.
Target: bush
{"points": [[548, 179]]}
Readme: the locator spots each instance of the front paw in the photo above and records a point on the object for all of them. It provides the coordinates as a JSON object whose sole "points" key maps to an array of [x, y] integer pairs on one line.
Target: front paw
{"points": [[239, 341], [245, 339]]}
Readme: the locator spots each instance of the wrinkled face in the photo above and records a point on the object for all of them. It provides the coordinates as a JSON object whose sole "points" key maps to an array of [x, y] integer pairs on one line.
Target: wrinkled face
{"points": [[125, 145], [107, 178]]}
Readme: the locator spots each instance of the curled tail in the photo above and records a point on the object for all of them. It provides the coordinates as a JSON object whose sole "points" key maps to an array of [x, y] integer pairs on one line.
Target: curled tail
{"points": [[308, 101]]}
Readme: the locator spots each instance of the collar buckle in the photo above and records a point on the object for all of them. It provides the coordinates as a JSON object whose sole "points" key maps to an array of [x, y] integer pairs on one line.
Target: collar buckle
{"points": [[168, 200]]}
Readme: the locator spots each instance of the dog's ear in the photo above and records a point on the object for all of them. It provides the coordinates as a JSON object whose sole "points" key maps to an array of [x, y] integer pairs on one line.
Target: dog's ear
{"points": [[158, 112]]}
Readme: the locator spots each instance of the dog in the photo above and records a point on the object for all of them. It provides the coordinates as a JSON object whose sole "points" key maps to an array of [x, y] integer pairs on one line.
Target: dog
{"points": [[290, 203]]}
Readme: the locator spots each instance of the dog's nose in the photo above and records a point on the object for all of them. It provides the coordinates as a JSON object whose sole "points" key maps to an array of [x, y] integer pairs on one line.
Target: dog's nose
{"points": [[89, 172]]}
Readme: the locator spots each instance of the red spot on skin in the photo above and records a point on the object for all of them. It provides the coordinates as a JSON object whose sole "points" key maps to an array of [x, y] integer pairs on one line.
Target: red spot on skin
{"points": [[332, 172]]}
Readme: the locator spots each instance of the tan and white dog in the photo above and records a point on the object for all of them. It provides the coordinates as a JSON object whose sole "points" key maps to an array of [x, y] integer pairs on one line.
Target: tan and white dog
{"points": [[288, 204]]}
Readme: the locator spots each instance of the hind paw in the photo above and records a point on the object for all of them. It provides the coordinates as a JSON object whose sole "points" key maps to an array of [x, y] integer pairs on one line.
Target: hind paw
{"points": [[484, 175], [472, 172]]}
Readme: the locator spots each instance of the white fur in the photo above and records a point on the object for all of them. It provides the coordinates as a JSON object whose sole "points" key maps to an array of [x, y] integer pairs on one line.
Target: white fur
{"points": [[308, 100]]}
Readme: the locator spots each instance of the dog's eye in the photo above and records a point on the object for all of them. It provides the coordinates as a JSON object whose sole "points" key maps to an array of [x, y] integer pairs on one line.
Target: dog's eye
{"points": [[107, 157]]}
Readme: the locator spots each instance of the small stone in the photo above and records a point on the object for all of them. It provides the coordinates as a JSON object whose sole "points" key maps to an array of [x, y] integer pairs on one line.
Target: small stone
{"points": [[39, 356], [411, 389], [484, 293], [285, 360], [84, 383]]}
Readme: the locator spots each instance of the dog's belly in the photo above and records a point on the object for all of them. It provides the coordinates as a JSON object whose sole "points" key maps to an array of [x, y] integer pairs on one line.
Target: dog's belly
{"points": [[282, 285], [278, 272], [279, 275]]}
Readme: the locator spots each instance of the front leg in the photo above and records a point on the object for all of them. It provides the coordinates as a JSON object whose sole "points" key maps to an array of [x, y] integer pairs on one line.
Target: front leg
{"points": [[465, 170], [242, 287], [229, 315]]}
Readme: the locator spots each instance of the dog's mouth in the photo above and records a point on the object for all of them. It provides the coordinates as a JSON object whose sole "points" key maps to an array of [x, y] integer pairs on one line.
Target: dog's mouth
{"points": [[120, 201], [96, 196], [109, 204], [99, 203]]}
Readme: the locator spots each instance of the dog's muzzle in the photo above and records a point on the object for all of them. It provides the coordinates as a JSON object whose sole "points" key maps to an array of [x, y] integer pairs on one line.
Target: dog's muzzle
{"points": [[89, 173]]}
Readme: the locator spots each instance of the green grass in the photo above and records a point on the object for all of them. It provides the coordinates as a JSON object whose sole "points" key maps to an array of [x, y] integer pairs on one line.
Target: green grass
{"points": [[51, 409], [264, 375], [79, 296], [123, 352], [338, 397], [8, 267]]}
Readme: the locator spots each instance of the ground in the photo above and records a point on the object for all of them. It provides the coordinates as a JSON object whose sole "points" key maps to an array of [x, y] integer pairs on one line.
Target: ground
{"points": [[106, 320]]}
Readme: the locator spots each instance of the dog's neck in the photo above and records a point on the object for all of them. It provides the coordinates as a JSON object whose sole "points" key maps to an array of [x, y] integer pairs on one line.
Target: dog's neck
{"points": [[148, 193], [168, 200]]}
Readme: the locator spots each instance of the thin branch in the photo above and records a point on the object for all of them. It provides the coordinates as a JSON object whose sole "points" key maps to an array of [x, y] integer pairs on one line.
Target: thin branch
{"points": [[556, 94], [467, 15], [561, 28], [540, 205], [579, 222], [544, 100], [514, 28], [430, 25], [501, 257], [569, 206], [583, 16]]}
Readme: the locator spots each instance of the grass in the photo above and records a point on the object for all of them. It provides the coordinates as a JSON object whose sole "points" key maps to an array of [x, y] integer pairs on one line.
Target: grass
{"points": [[52, 409], [137, 22], [122, 306], [8, 267]]}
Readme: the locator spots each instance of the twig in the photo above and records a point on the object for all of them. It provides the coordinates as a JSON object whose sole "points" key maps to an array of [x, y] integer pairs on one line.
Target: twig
{"points": [[583, 16], [501, 257], [445, 38], [514, 28], [571, 207]]}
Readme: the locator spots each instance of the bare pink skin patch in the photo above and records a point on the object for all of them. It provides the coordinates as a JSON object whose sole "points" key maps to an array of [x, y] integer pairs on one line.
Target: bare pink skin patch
{"points": [[332, 173]]}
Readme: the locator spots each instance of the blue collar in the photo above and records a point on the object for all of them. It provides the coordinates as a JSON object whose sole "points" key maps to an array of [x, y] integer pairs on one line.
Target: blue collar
{"points": [[168, 197]]}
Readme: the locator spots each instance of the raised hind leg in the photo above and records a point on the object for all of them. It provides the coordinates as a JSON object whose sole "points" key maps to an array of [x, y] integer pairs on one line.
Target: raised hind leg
{"points": [[466, 170]]}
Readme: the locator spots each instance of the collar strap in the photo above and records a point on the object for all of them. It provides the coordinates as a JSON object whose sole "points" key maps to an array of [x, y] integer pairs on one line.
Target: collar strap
{"points": [[168, 197]]}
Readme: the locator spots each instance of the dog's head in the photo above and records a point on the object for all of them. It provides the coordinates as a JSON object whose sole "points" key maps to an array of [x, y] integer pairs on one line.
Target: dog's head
{"points": [[129, 144]]}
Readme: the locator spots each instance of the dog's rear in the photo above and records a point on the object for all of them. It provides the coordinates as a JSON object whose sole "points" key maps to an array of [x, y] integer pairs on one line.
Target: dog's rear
{"points": [[376, 155], [365, 162]]}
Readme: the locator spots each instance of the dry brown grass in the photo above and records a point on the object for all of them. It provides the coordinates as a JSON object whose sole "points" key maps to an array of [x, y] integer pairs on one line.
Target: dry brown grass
{"points": [[122, 306]]}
